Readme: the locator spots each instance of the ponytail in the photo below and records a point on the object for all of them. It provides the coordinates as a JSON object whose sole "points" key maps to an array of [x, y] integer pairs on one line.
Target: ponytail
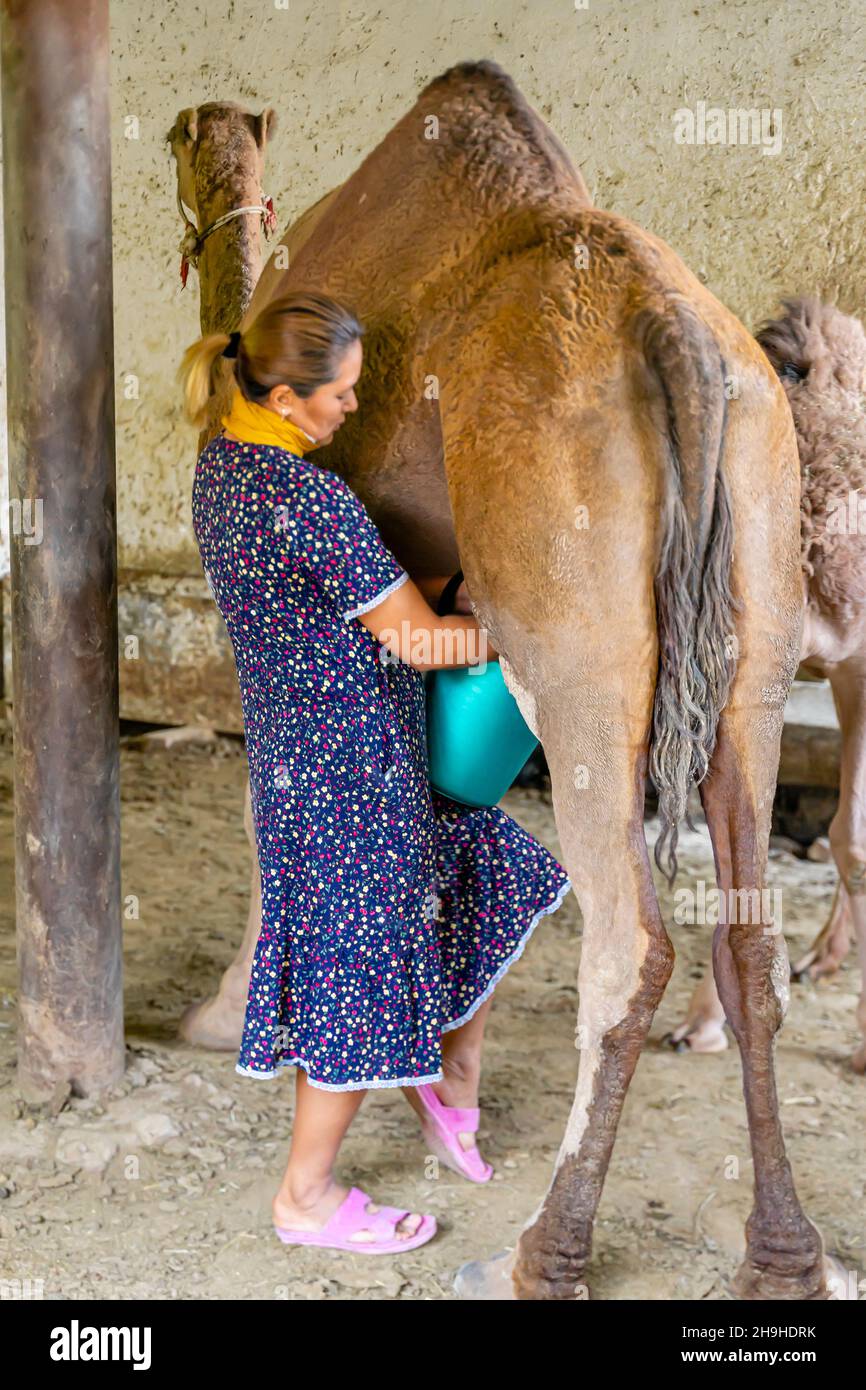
{"points": [[196, 371], [298, 340]]}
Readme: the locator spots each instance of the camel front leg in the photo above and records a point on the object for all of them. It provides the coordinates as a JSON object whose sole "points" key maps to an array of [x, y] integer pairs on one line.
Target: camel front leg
{"points": [[832, 943], [218, 1022], [703, 1029]]}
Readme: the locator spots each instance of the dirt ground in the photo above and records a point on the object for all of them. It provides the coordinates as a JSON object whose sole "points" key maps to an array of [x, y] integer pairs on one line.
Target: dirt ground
{"points": [[161, 1189]]}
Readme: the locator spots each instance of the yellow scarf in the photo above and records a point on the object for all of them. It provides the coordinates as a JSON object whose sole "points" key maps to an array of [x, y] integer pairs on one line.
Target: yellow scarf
{"points": [[255, 424]]}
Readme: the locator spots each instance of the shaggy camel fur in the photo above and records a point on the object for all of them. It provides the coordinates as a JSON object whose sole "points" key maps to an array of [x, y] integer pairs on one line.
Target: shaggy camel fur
{"points": [[553, 400], [819, 355]]}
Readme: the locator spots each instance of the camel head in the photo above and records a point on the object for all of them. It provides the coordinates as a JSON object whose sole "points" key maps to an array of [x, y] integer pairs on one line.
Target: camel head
{"points": [[815, 350], [219, 150]]}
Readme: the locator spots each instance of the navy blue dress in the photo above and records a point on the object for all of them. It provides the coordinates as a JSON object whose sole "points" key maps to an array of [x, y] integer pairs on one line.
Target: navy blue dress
{"points": [[389, 912]]}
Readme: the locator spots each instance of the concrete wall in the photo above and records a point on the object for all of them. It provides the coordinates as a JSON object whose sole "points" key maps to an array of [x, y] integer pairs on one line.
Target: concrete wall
{"points": [[608, 78]]}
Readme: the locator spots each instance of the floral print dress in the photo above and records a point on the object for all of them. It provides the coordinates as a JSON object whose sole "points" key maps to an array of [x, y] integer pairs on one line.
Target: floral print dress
{"points": [[389, 912]]}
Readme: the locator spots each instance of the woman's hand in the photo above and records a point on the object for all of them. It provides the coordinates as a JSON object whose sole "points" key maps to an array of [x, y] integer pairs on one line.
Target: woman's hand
{"points": [[462, 602], [431, 586], [406, 623]]}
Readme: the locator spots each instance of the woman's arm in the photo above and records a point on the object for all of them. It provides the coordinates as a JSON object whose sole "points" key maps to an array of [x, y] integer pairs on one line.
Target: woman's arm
{"points": [[405, 623]]}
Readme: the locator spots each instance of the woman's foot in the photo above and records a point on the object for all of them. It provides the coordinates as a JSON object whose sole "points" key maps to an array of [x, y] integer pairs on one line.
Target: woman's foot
{"points": [[449, 1115], [309, 1207], [458, 1088]]}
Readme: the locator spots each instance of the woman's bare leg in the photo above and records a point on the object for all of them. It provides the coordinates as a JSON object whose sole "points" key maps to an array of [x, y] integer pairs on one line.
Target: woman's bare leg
{"points": [[461, 1066], [309, 1195]]}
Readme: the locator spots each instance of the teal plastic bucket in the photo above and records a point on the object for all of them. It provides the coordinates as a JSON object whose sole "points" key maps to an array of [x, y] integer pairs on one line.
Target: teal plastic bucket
{"points": [[477, 739]]}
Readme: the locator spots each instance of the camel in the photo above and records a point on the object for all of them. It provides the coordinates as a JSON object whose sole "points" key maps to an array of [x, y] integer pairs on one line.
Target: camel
{"points": [[219, 150], [554, 403], [819, 355]]}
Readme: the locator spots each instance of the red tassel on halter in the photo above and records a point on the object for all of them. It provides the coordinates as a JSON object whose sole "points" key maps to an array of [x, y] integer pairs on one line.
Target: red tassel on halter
{"points": [[184, 271], [270, 216]]}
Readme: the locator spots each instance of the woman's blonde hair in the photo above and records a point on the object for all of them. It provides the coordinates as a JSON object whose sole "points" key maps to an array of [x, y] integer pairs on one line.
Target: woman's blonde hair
{"points": [[297, 341]]}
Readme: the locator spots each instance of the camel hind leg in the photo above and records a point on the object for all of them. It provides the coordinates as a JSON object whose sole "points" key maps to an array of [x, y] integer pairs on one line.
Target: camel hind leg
{"points": [[703, 1029], [833, 942], [626, 961], [784, 1254], [848, 827]]}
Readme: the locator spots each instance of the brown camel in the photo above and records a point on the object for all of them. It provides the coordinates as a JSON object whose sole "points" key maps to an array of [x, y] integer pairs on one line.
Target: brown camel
{"points": [[819, 355], [555, 401]]}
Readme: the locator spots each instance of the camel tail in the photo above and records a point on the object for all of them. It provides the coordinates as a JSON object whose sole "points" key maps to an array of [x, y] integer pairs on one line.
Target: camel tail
{"points": [[694, 604]]}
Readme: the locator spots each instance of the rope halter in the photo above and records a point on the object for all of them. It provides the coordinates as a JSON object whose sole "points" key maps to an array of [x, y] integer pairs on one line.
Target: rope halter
{"points": [[193, 240]]}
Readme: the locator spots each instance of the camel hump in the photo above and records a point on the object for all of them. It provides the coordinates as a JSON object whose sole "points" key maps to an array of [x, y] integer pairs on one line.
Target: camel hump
{"points": [[694, 602], [498, 136]]}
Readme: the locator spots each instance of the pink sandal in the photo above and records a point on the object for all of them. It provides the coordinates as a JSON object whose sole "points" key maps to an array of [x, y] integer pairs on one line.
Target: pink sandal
{"points": [[441, 1128], [352, 1216]]}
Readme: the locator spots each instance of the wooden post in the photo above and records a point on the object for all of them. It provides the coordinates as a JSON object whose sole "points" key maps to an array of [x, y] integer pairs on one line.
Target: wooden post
{"points": [[60, 366]]}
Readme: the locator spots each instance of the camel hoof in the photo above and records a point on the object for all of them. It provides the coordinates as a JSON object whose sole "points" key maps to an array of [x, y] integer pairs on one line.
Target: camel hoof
{"points": [[826, 1279], [814, 966], [205, 1025], [810, 969], [858, 1061], [699, 1037], [486, 1280]]}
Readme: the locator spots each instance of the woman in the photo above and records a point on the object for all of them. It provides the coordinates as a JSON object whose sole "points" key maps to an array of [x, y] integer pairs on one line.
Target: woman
{"points": [[389, 912]]}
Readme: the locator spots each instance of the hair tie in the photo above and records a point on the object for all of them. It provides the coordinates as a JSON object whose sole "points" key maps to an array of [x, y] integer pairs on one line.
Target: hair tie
{"points": [[231, 347]]}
